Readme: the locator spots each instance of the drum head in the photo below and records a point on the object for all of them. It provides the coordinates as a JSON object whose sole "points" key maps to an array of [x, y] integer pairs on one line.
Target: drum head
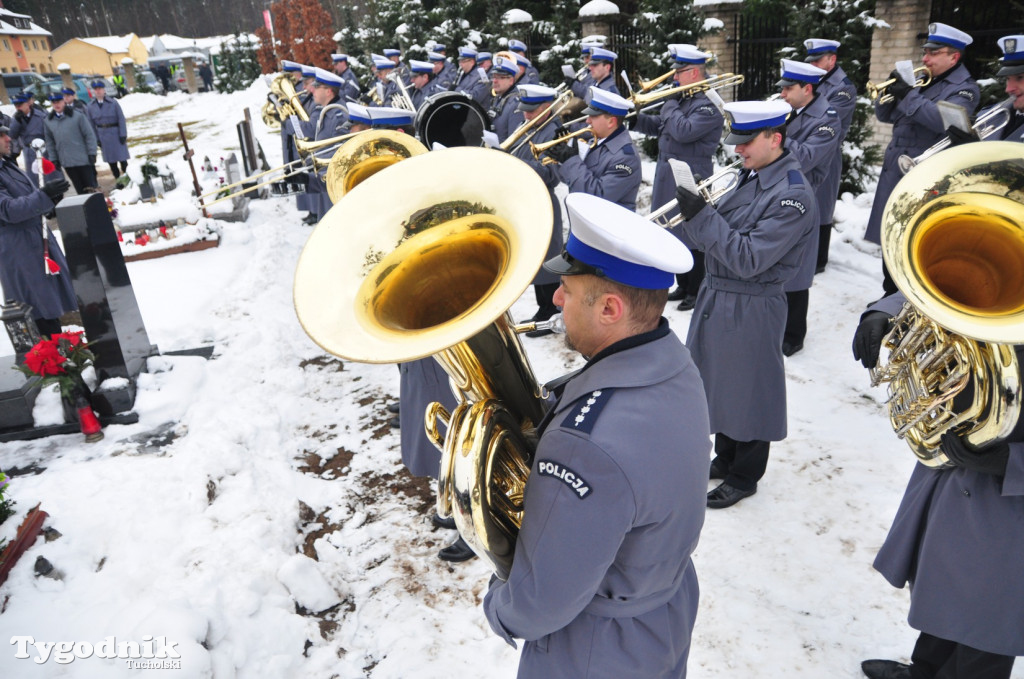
{"points": [[451, 119]]}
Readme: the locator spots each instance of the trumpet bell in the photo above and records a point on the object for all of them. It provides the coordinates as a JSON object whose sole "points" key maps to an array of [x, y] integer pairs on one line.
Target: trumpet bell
{"points": [[364, 156], [954, 240], [432, 271]]}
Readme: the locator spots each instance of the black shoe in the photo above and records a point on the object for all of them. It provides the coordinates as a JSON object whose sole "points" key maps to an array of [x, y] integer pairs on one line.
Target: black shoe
{"points": [[448, 523], [726, 496], [395, 422], [885, 669], [819, 269], [688, 303], [456, 552], [677, 295], [540, 333], [716, 471], [543, 314], [394, 407], [310, 219], [788, 348]]}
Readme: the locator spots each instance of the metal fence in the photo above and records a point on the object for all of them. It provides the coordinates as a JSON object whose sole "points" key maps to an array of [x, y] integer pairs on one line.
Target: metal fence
{"points": [[757, 44]]}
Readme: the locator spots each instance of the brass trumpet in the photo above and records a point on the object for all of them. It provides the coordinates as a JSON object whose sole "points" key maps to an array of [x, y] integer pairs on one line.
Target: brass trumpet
{"points": [[879, 95], [985, 126], [557, 106], [705, 189], [648, 85], [714, 82], [539, 149]]}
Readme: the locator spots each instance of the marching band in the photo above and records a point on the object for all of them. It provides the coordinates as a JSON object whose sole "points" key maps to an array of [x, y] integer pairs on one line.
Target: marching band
{"points": [[752, 251]]}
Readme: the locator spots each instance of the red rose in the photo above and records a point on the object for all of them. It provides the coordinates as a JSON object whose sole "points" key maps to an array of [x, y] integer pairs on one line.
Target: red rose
{"points": [[44, 359]]}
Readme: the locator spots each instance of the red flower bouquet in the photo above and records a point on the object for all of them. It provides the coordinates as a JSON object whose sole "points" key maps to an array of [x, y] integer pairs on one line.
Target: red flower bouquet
{"points": [[59, 360]]}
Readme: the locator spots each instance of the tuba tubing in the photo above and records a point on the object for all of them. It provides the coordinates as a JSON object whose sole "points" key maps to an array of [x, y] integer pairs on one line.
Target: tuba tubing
{"points": [[413, 278], [953, 240]]}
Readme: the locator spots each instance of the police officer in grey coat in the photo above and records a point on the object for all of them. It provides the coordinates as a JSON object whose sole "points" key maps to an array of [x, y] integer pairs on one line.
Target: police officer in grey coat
{"points": [[111, 129], [914, 114], [753, 244], [24, 272], [26, 127], [841, 93], [1012, 68], [812, 135], [531, 76], [535, 101], [957, 540], [443, 75], [504, 116], [580, 85], [611, 169], [688, 129], [71, 142], [602, 584], [350, 88], [601, 68], [332, 123]]}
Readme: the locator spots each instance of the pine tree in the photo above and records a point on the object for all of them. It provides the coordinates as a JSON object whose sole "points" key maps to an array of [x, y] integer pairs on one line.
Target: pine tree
{"points": [[849, 22], [237, 65], [140, 81], [667, 22]]}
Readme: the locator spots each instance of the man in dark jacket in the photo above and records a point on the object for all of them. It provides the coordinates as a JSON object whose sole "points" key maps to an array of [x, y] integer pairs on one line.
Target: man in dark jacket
{"points": [[71, 143], [32, 268]]}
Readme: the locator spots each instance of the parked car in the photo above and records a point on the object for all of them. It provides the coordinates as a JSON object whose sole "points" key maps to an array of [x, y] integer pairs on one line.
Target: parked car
{"points": [[43, 89], [150, 79], [108, 84], [17, 82]]}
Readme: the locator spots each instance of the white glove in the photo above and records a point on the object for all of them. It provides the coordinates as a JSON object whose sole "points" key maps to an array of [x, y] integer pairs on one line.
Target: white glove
{"points": [[491, 139], [567, 71]]}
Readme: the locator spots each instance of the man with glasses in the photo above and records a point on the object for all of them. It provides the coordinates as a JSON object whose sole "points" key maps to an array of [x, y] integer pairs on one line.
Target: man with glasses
{"points": [[688, 129], [914, 114]]}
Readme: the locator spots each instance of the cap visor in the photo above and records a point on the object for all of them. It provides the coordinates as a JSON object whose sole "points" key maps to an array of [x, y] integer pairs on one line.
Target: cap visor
{"points": [[734, 138], [1016, 69], [935, 45], [523, 106], [591, 111], [566, 265], [786, 82]]}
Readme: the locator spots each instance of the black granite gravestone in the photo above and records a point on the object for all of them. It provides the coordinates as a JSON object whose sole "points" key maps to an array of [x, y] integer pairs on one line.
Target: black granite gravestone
{"points": [[106, 300]]}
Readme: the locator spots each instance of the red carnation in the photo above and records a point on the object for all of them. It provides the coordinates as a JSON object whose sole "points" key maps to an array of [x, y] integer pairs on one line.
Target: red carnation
{"points": [[44, 359]]}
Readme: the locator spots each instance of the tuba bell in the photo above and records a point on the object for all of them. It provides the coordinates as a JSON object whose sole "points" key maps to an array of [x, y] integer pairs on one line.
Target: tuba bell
{"points": [[365, 155], [953, 240], [387, 281]]}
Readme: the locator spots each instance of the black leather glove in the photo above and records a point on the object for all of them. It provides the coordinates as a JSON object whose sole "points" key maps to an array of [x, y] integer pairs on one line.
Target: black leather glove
{"points": [[958, 136], [562, 152], [56, 190], [689, 203], [122, 139], [92, 158], [991, 459], [867, 340], [899, 88], [569, 81]]}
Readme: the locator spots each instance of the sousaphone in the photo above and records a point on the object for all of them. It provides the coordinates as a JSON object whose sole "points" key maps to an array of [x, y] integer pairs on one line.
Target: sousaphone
{"points": [[424, 259]]}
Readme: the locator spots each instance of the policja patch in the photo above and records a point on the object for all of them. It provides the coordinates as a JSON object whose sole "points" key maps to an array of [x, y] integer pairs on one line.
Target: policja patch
{"points": [[567, 476]]}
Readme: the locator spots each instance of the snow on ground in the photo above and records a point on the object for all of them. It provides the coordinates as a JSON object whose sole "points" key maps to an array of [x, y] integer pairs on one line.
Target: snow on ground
{"points": [[258, 516]]}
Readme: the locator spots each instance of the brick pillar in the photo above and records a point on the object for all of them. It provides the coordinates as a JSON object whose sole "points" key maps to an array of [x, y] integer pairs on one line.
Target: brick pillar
{"points": [[128, 69], [718, 43], [898, 42], [65, 76], [189, 64]]}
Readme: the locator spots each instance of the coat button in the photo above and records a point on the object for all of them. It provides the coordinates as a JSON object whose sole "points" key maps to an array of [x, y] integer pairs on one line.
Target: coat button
{"points": [[966, 492], [704, 316]]}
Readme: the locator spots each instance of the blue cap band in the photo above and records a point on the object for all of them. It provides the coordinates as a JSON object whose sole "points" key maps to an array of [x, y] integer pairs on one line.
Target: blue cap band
{"points": [[759, 124], [947, 41], [802, 77], [1015, 56], [619, 270]]}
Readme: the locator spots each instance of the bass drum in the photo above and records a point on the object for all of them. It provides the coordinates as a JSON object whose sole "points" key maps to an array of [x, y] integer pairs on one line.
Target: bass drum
{"points": [[451, 119]]}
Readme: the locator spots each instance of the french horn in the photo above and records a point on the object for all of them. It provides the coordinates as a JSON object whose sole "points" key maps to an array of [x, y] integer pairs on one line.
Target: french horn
{"points": [[386, 280], [953, 240]]}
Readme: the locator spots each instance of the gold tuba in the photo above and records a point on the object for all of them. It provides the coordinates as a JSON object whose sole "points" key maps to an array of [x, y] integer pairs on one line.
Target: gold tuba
{"points": [[387, 281], [366, 154], [953, 240]]}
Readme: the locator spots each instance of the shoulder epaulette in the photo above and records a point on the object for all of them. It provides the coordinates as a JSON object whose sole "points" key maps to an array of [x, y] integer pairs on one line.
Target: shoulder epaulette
{"points": [[584, 412], [795, 178]]}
